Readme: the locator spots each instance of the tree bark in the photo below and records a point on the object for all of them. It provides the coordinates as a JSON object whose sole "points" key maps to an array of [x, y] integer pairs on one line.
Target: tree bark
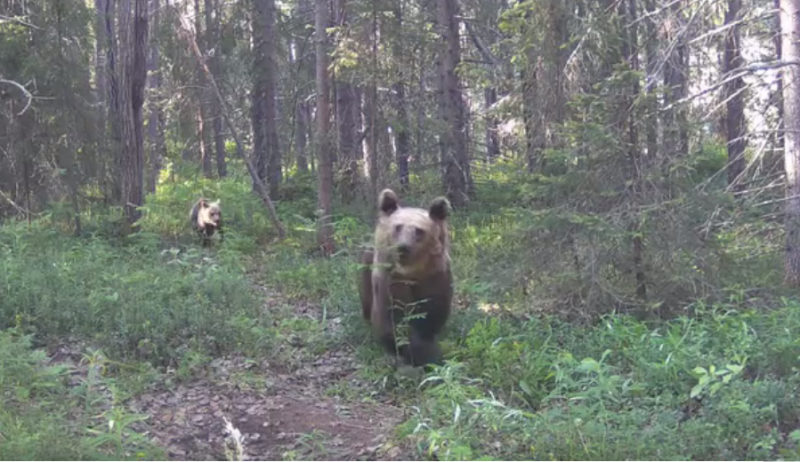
{"points": [[531, 105], [676, 136], [733, 91], [630, 46], [325, 167], [304, 53], [492, 140], [113, 175], [453, 144], [779, 143], [651, 69], [133, 77], [201, 99], [212, 47], [790, 35], [300, 135], [400, 126], [264, 115], [100, 47], [346, 117], [155, 121]]}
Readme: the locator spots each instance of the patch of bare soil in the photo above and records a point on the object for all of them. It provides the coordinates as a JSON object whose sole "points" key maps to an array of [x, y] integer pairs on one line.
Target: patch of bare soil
{"points": [[282, 415]]}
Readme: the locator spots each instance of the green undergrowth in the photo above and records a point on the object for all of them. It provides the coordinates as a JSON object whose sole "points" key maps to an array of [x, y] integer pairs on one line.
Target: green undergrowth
{"points": [[720, 386], [42, 417], [134, 298], [718, 379]]}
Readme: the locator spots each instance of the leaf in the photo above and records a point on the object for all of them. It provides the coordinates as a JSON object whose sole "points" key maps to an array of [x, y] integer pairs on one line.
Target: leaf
{"points": [[715, 388], [735, 368], [524, 386], [795, 436], [700, 371], [696, 390]]}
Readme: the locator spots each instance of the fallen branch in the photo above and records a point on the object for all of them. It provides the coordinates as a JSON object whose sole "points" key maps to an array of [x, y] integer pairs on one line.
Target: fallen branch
{"points": [[19, 208], [186, 31]]}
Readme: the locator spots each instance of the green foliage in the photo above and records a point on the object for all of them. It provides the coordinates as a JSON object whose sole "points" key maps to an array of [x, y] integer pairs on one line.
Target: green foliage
{"points": [[134, 300], [42, 418], [631, 396]]}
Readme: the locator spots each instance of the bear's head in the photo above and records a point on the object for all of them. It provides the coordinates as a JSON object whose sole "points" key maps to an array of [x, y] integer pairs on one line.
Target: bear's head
{"points": [[209, 213], [415, 239]]}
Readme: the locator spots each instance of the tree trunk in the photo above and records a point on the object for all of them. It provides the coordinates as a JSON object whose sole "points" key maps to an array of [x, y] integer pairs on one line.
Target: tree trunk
{"points": [[400, 126], [371, 139], [264, 112], [492, 141], [453, 142], [421, 93], [133, 77], [274, 174], [790, 34], [630, 47], [651, 106], [155, 126], [201, 98], [779, 143], [300, 135], [114, 171], [305, 72], [212, 47], [100, 47], [531, 107], [733, 92], [554, 59], [346, 117], [325, 168], [676, 137]]}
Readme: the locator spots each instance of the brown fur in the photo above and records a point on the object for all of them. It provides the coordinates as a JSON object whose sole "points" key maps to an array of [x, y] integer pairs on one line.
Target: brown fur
{"points": [[206, 219], [410, 265]]}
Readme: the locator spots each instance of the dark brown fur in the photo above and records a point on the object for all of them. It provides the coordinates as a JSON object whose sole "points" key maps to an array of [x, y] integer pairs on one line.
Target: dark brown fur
{"points": [[421, 280]]}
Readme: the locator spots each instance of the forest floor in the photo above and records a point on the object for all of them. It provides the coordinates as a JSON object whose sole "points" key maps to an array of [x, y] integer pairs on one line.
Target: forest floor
{"points": [[283, 413]]}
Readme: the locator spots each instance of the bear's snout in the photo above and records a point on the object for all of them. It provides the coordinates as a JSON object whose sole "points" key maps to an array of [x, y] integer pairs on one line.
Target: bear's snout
{"points": [[403, 252]]}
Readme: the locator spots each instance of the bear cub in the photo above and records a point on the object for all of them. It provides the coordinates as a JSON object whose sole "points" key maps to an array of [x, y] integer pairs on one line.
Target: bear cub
{"points": [[409, 267], [206, 218]]}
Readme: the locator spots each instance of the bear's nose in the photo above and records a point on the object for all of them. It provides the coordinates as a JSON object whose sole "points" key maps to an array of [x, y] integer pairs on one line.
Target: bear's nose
{"points": [[403, 250]]}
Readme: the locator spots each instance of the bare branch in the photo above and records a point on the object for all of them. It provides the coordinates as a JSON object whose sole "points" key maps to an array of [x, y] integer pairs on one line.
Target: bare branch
{"points": [[24, 91], [4, 18]]}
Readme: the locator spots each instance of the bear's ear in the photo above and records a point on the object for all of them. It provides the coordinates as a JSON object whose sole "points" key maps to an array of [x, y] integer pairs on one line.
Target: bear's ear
{"points": [[387, 201], [439, 209], [203, 203], [215, 204]]}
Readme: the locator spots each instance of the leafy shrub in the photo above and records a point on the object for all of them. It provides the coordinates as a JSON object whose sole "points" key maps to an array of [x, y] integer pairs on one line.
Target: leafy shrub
{"points": [[135, 300]]}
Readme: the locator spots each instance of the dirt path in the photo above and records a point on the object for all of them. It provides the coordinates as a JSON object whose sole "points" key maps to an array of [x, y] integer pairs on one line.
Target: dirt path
{"points": [[282, 415]]}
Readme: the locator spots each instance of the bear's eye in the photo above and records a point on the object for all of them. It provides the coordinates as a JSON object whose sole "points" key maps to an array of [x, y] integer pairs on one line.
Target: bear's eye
{"points": [[420, 233], [398, 228]]}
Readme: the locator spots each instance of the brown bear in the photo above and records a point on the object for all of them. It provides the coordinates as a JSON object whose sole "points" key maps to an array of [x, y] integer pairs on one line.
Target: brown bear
{"points": [[206, 218], [409, 267]]}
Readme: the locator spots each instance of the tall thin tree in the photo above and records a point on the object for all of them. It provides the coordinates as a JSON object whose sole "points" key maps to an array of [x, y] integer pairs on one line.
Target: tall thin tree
{"points": [[733, 93], [790, 35], [133, 77], [453, 145], [325, 167]]}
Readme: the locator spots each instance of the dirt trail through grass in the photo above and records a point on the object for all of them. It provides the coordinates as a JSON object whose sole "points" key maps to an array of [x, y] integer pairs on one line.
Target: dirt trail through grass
{"points": [[282, 414]]}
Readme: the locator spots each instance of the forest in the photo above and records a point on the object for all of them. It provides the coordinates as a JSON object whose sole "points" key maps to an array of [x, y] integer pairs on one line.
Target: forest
{"points": [[622, 181]]}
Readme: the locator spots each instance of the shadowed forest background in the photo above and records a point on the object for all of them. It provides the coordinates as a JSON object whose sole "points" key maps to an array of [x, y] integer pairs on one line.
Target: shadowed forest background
{"points": [[625, 183]]}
